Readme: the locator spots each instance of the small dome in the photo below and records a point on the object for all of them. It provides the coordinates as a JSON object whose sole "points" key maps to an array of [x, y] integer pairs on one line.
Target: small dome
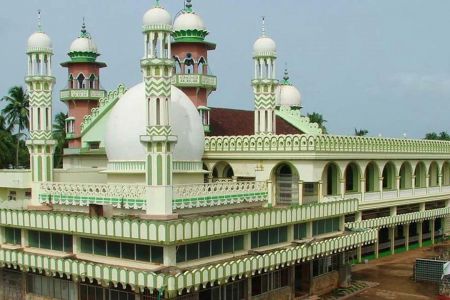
{"points": [[264, 45], [288, 95], [188, 21], [39, 41], [83, 44], [157, 16], [127, 122]]}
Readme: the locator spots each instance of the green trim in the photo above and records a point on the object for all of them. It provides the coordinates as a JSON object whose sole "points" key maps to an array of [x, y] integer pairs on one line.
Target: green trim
{"points": [[85, 201]]}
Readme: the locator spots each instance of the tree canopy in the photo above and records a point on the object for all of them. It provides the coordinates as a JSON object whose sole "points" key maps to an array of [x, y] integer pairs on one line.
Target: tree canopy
{"points": [[319, 120], [443, 136]]}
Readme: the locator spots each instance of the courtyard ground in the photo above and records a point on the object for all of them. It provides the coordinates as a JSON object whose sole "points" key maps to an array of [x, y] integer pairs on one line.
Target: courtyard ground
{"points": [[394, 274]]}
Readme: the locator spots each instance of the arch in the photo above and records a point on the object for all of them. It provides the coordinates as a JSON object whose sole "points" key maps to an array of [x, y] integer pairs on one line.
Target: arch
{"points": [[405, 176], [433, 174], [70, 85], [389, 174], [371, 176], [331, 179], [92, 80], [201, 66], [189, 64], [420, 174], [177, 69], [445, 172], [352, 176], [222, 171], [285, 178], [80, 81]]}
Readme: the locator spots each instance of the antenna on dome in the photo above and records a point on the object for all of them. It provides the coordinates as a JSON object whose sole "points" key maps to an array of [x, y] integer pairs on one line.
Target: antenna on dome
{"points": [[39, 21], [263, 26]]}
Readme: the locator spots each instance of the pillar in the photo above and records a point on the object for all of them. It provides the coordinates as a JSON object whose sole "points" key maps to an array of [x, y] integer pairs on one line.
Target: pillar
{"points": [[397, 185], [432, 230], [406, 235], [300, 192], [392, 239], [440, 182], [342, 186], [271, 194], [320, 190], [420, 232], [362, 188], [377, 244], [170, 255], [413, 184], [380, 187]]}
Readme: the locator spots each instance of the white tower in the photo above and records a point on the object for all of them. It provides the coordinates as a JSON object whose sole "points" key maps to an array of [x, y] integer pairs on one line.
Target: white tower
{"points": [[157, 67], [264, 84], [40, 84]]}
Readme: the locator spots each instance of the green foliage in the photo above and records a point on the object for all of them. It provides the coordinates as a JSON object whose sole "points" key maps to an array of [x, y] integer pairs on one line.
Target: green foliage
{"points": [[361, 132], [318, 118], [443, 136], [59, 134], [16, 116]]}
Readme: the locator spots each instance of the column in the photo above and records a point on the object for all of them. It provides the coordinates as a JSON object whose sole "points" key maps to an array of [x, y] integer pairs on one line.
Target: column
{"points": [[76, 244], [271, 196], [380, 187], [420, 232], [319, 190], [392, 239], [432, 229], [427, 183], [362, 188], [342, 186], [358, 218], [170, 255], [413, 184], [397, 185], [406, 235], [300, 192], [440, 182], [377, 244]]}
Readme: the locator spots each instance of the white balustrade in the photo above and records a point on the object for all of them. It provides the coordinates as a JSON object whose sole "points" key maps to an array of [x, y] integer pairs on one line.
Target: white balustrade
{"points": [[390, 194], [406, 193], [420, 192], [118, 195], [372, 196], [433, 190], [218, 193]]}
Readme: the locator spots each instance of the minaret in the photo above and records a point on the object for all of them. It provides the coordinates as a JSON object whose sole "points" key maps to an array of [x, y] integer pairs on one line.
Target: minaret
{"points": [[264, 84], [157, 67], [40, 84], [83, 89], [190, 51]]}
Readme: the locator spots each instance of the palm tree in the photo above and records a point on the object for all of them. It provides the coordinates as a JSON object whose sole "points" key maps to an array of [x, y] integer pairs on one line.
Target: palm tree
{"points": [[361, 132], [16, 113], [444, 136], [318, 118], [59, 134], [6, 144]]}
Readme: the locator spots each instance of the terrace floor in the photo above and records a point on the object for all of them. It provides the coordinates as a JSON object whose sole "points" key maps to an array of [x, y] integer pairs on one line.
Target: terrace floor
{"points": [[395, 276]]}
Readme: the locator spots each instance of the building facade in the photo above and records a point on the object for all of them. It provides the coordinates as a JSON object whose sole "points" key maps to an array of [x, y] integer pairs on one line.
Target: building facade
{"points": [[148, 207]]}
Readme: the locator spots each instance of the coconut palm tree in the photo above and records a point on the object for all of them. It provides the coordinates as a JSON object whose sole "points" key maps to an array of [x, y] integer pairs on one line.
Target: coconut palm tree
{"points": [[16, 114], [6, 144], [318, 118], [59, 134], [361, 132]]}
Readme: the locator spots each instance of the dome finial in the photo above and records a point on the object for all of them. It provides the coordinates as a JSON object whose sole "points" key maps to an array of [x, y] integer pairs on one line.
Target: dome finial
{"points": [[84, 33], [157, 4], [286, 75], [263, 26], [188, 6], [39, 21]]}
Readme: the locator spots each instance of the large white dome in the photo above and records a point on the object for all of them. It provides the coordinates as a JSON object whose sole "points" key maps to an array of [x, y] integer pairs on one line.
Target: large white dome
{"points": [[264, 45], [157, 16], [188, 21], [39, 41], [127, 122], [83, 44], [288, 95]]}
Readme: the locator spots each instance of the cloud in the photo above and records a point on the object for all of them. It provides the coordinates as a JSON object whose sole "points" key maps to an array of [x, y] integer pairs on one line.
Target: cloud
{"points": [[438, 84]]}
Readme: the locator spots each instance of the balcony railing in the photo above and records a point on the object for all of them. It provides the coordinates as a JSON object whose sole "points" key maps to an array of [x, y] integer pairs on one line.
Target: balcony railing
{"points": [[218, 193], [194, 80], [117, 195], [390, 194], [82, 94]]}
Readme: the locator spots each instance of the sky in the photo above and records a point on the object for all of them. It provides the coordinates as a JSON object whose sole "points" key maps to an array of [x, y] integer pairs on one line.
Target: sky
{"points": [[379, 65]]}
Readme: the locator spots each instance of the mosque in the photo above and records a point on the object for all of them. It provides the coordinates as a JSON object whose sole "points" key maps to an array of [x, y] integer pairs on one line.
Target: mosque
{"points": [[162, 197]]}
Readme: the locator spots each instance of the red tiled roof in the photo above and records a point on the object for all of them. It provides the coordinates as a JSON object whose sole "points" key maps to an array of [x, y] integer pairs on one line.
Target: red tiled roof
{"points": [[227, 121]]}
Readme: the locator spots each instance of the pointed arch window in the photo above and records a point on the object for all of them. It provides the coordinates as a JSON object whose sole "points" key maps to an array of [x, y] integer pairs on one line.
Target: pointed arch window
{"points": [[189, 64], [92, 81], [202, 66], [81, 83]]}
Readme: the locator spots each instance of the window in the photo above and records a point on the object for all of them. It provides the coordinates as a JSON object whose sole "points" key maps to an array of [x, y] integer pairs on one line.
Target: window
{"points": [[326, 226], [324, 265], [51, 287], [209, 248], [94, 145], [300, 231], [270, 236], [96, 292], [52, 241], [81, 82], [235, 290], [266, 282], [129, 251], [12, 196], [13, 236]]}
